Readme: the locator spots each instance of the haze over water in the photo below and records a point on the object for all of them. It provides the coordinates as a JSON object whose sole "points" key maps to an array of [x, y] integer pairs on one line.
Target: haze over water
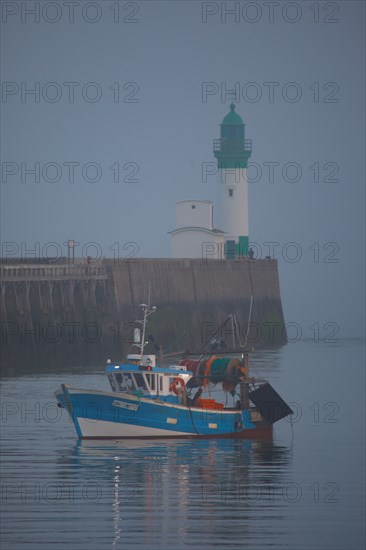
{"points": [[304, 490]]}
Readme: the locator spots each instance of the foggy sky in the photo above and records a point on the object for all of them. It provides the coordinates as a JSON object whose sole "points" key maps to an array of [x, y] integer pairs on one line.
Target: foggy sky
{"points": [[164, 125]]}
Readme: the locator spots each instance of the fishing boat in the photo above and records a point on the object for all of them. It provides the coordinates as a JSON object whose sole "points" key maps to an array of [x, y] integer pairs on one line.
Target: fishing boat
{"points": [[146, 400]]}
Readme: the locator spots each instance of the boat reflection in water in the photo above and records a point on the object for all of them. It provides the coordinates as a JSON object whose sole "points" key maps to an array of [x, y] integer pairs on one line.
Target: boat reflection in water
{"points": [[170, 488]]}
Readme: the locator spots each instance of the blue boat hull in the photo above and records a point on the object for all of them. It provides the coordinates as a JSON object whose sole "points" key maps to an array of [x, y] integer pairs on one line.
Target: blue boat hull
{"points": [[99, 414]]}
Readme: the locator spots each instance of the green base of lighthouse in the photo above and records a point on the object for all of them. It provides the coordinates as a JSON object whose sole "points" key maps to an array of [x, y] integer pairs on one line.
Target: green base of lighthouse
{"points": [[235, 250]]}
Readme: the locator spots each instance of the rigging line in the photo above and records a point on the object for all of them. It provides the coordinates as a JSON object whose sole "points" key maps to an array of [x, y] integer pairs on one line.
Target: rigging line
{"points": [[213, 336], [237, 332], [249, 319], [292, 432], [206, 344], [175, 341], [193, 424]]}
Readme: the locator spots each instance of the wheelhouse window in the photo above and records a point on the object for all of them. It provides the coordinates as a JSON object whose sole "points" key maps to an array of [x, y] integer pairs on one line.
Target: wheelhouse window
{"points": [[127, 383], [112, 382], [121, 381], [151, 381], [139, 381]]}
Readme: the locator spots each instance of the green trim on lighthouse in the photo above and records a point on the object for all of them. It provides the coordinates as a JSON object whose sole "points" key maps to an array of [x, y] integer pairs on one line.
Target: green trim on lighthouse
{"points": [[233, 118], [239, 249], [232, 150]]}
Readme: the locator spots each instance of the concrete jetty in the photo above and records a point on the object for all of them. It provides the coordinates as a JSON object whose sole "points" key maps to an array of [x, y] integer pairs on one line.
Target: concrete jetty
{"points": [[83, 313]]}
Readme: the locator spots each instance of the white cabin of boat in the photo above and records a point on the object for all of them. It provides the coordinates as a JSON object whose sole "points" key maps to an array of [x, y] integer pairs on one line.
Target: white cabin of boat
{"points": [[141, 376]]}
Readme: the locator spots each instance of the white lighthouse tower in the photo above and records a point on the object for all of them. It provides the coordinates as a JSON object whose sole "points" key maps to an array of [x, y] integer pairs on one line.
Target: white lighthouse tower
{"points": [[232, 152]]}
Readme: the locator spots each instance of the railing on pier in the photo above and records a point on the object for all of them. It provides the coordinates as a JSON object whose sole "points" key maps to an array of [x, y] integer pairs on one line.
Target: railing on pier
{"points": [[52, 273]]}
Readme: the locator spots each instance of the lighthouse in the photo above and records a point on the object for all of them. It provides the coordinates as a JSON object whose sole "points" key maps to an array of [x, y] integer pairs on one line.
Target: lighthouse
{"points": [[232, 152], [195, 236]]}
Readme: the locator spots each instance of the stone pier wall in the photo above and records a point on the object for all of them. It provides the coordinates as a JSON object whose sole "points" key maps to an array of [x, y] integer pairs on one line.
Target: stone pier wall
{"points": [[80, 314]]}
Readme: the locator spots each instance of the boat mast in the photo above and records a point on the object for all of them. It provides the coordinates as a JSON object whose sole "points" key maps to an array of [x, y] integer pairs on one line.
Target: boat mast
{"points": [[145, 310], [148, 310]]}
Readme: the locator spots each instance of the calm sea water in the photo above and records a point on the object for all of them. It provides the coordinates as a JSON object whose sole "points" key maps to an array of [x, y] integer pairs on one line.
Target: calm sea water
{"points": [[303, 490]]}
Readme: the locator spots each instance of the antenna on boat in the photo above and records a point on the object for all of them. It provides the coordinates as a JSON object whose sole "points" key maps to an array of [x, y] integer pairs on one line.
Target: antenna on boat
{"points": [[148, 310]]}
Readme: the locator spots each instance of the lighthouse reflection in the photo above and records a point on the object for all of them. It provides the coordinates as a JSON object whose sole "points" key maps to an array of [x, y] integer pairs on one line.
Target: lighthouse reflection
{"points": [[160, 490]]}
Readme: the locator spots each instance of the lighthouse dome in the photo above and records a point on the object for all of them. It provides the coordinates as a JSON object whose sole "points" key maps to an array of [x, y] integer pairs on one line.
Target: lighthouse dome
{"points": [[233, 118]]}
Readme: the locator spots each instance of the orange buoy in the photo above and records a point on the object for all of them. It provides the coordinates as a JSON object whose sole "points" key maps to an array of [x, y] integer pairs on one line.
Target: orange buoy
{"points": [[174, 385]]}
